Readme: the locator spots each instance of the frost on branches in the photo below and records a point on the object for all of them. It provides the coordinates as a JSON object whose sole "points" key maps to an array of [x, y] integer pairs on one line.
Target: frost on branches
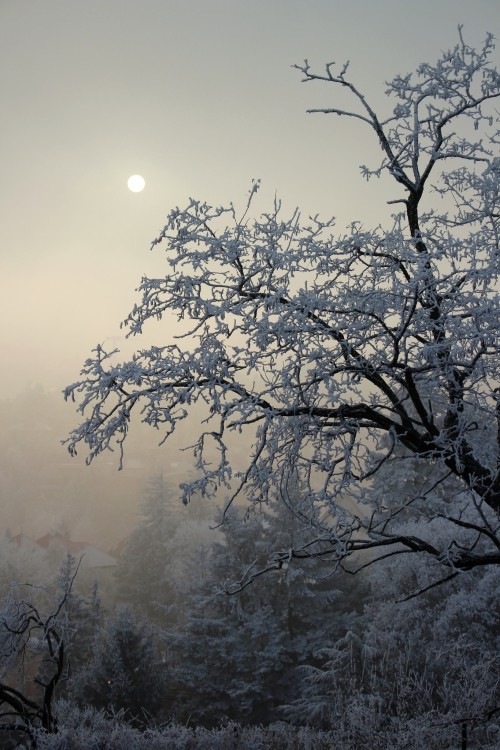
{"points": [[337, 355]]}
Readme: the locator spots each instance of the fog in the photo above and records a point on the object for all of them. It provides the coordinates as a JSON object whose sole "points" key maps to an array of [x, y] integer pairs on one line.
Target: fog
{"points": [[198, 97]]}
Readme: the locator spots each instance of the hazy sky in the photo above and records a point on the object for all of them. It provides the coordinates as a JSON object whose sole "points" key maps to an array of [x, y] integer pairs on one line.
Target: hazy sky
{"points": [[199, 97]]}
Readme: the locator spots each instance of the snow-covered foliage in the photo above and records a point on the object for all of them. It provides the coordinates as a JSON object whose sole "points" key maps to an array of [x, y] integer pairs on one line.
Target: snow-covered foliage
{"points": [[329, 351], [125, 671], [380, 667], [417, 673], [85, 729], [32, 662], [236, 656], [145, 575]]}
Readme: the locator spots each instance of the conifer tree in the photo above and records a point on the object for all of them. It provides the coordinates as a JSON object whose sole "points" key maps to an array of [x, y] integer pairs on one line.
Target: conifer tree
{"points": [[236, 655], [125, 671]]}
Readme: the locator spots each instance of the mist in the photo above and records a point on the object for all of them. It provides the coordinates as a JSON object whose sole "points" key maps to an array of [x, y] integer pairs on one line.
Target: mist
{"points": [[124, 611]]}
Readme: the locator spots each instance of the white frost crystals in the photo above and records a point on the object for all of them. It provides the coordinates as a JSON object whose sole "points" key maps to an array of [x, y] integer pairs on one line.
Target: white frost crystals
{"points": [[336, 354]]}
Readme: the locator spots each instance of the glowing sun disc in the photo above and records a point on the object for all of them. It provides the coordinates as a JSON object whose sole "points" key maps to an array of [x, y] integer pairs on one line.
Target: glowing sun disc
{"points": [[136, 183]]}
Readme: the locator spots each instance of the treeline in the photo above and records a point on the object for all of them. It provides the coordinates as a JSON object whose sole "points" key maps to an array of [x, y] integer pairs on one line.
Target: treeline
{"points": [[377, 659]]}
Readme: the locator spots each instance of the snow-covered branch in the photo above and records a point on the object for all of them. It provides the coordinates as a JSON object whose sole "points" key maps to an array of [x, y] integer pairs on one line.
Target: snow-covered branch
{"points": [[331, 352]]}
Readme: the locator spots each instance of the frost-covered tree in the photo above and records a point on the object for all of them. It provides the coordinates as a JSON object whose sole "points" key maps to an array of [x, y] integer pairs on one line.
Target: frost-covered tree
{"points": [[331, 352], [33, 663], [143, 573], [418, 669], [236, 656], [420, 673], [125, 671], [79, 618], [149, 575]]}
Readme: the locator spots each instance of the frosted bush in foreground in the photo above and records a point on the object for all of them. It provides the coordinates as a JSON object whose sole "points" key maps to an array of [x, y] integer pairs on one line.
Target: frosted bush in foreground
{"points": [[91, 730], [361, 730]]}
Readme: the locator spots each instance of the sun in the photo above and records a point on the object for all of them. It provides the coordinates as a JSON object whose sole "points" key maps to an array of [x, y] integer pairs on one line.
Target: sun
{"points": [[136, 183]]}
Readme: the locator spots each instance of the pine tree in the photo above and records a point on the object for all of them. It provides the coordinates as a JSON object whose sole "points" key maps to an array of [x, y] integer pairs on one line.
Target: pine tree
{"points": [[125, 671], [236, 655], [144, 577]]}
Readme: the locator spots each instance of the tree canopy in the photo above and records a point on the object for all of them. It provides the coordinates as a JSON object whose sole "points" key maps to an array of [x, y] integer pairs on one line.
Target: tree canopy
{"points": [[336, 353]]}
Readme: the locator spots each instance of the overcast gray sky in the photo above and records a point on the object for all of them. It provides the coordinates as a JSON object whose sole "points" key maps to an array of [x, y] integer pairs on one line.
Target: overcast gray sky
{"points": [[199, 97]]}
